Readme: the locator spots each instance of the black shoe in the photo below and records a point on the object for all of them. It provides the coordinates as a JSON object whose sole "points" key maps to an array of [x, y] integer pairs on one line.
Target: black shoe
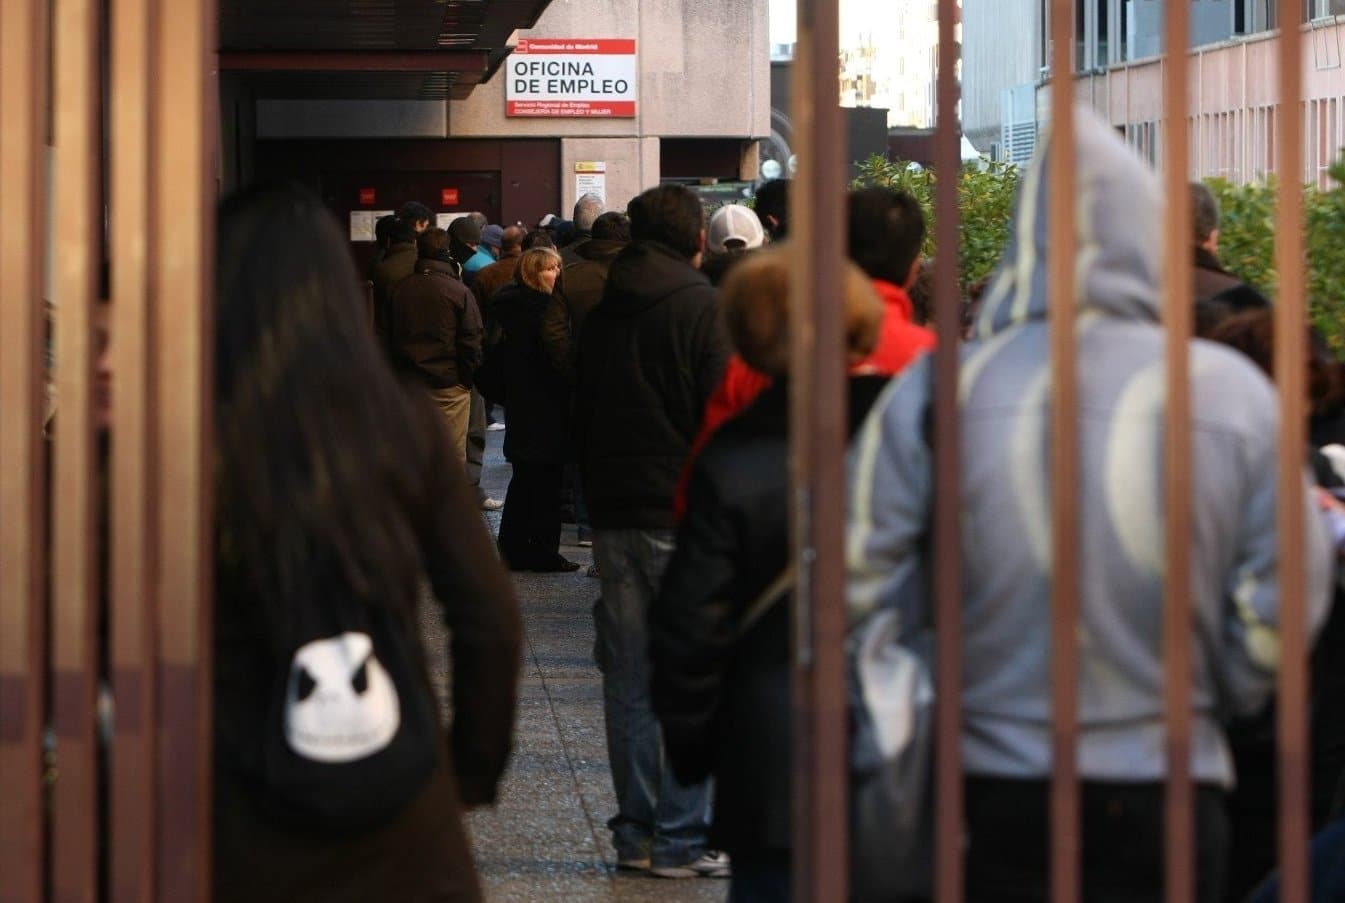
{"points": [[557, 565]]}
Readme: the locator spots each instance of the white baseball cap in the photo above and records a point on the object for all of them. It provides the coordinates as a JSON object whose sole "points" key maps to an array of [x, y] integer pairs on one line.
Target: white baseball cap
{"points": [[734, 223]]}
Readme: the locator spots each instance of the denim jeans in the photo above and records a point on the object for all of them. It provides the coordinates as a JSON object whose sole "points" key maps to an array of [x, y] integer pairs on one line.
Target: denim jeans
{"points": [[656, 816]]}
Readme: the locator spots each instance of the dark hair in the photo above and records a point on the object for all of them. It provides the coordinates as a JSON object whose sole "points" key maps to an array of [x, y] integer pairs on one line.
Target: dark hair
{"points": [[538, 238], [772, 200], [1253, 333], [433, 243], [321, 453], [415, 212], [887, 229], [566, 233], [1204, 212], [612, 226], [921, 293], [384, 228], [403, 230], [671, 215]]}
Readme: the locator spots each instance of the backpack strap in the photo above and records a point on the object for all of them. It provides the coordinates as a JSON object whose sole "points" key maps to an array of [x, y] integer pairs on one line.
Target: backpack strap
{"points": [[765, 601]]}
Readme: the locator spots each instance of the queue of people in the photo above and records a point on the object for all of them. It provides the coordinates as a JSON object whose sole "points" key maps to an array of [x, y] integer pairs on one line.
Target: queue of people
{"points": [[642, 362]]}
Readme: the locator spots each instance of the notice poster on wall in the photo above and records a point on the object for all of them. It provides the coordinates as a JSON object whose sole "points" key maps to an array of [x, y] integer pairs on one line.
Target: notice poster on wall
{"points": [[362, 223], [591, 178], [572, 77]]}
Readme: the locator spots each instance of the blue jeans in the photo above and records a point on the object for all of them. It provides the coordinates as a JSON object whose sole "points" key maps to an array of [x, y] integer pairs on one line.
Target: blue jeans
{"points": [[656, 816]]}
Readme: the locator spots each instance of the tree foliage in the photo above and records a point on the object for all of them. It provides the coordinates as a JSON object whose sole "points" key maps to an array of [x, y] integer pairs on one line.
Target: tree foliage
{"points": [[986, 195]]}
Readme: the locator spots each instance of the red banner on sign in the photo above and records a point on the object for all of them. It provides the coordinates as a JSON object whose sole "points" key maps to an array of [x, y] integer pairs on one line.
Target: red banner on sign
{"points": [[448, 197], [615, 109], [619, 46], [368, 197]]}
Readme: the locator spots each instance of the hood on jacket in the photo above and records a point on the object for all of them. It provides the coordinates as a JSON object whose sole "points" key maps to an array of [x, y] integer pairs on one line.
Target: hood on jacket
{"points": [[1118, 227], [642, 275]]}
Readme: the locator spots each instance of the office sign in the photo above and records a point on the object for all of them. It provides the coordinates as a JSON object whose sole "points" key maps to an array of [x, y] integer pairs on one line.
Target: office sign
{"points": [[572, 77]]}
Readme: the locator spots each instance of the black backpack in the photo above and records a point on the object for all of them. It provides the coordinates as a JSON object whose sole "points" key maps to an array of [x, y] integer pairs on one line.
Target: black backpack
{"points": [[350, 732]]}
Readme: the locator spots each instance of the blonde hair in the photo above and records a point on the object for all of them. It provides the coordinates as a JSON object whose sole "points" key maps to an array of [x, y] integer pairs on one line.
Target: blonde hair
{"points": [[756, 310], [532, 263]]}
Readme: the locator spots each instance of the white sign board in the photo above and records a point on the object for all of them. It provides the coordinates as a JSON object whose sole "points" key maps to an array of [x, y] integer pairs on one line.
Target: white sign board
{"points": [[572, 77], [444, 220], [362, 223], [591, 178]]}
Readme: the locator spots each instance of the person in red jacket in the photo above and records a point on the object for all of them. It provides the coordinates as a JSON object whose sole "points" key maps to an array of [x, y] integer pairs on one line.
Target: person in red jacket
{"points": [[887, 230]]}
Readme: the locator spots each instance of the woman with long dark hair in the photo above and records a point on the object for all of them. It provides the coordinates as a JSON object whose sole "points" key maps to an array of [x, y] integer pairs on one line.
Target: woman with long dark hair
{"points": [[537, 398], [337, 492]]}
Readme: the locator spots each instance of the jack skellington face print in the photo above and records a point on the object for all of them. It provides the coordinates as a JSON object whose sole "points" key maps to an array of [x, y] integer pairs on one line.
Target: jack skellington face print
{"points": [[340, 703]]}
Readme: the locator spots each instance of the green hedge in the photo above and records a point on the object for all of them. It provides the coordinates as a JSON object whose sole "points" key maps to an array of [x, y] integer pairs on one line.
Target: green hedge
{"points": [[1247, 230]]}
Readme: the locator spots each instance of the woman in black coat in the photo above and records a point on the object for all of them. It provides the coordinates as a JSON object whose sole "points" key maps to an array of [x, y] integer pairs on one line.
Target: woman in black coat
{"points": [[721, 692], [537, 399]]}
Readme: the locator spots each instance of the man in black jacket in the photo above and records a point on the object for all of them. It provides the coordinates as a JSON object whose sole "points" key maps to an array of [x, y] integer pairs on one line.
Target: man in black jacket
{"points": [[434, 330], [650, 354], [1218, 294]]}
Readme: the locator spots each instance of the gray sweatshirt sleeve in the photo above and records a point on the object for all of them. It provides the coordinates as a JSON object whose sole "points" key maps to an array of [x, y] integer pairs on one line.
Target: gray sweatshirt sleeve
{"points": [[890, 482], [1252, 616]]}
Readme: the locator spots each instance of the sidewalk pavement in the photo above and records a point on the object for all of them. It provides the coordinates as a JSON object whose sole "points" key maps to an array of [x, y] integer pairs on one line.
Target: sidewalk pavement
{"points": [[546, 839]]}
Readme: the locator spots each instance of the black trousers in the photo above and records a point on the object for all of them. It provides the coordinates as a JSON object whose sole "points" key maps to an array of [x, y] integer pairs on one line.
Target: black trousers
{"points": [[1008, 855], [530, 523], [476, 442]]}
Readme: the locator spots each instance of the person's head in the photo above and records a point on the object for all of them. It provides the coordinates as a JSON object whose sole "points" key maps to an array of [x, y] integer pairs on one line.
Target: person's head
{"points": [[672, 216], [612, 226], [1205, 217], [417, 214], [1253, 333], [433, 244], [921, 292], [538, 238], [887, 229], [383, 229], [734, 227], [586, 211], [756, 311], [566, 234], [538, 269], [465, 230], [549, 221], [772, 206], [310, 479], [479, 218], [511, 242], [492, 237], [403, 231]]}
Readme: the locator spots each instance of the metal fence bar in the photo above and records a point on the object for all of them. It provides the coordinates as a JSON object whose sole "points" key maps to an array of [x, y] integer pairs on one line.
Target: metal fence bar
{"points": [[947, 471], [1065, 821], [23, 106], [132, 612], [1290, 376], [1178, 315], [76, 106], [817, 443], [183, 250]]}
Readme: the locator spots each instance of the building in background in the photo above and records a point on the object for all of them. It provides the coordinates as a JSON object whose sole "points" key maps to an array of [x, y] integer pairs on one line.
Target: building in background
{"points": [[513, 109], [889, 53], [1234, 94]]}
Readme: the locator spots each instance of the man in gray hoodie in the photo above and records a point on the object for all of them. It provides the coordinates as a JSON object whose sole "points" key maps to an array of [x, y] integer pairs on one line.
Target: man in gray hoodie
{"points": [[1006, 544]]}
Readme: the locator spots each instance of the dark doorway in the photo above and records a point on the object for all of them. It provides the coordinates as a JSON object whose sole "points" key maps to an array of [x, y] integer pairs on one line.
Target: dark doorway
{"points": [[356, 197]]}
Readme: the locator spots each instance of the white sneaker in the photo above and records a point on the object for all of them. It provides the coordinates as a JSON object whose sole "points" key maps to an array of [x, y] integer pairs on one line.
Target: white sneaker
{"points": [[490, 504], [495, 427], [711, 864]]}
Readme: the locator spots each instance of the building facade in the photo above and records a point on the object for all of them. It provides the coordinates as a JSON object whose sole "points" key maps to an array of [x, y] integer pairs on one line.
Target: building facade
{"points": [[463, 150], [1234, 96]]}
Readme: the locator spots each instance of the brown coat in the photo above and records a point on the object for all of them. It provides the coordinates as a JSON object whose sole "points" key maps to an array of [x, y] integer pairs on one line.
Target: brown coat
{"points": [[434, 327], [423, 854], [396, 265]]}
